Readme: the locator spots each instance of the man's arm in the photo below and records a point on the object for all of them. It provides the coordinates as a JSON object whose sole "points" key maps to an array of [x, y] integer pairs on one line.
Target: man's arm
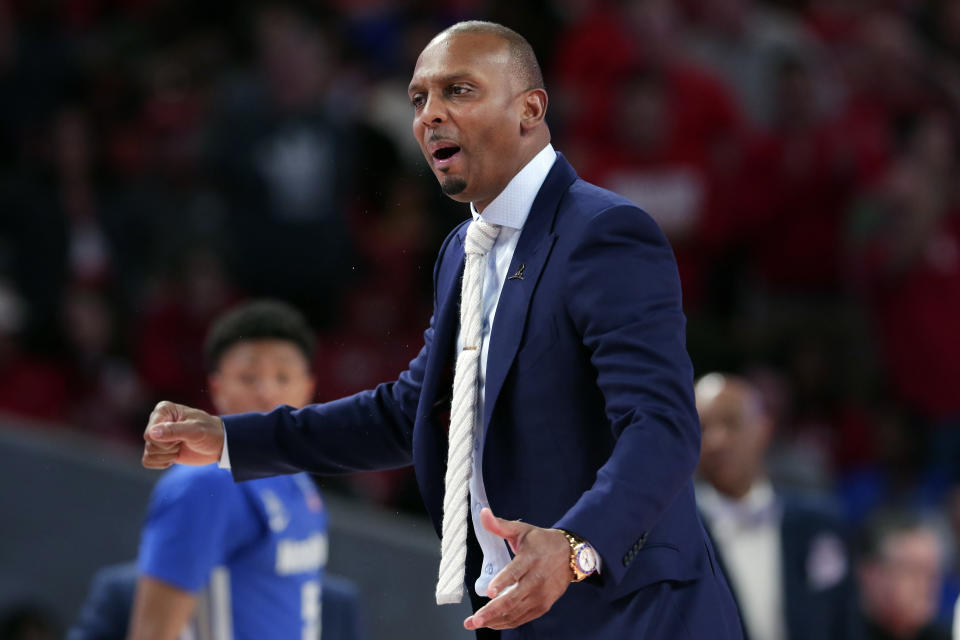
{"points": [[367, 431], [160, 611], [624, 298], [197, 518]]}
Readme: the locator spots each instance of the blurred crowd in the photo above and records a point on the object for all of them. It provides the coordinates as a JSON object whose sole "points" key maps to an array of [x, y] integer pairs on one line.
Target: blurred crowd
{"points": [[161, 160]]}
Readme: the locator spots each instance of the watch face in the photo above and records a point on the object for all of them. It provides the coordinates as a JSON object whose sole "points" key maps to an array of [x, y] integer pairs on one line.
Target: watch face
{"points": [[586, 559]]}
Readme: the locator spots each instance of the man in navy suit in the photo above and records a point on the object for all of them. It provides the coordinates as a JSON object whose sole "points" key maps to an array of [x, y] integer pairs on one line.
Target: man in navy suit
{"points": [[588, 435], [787, 559]]}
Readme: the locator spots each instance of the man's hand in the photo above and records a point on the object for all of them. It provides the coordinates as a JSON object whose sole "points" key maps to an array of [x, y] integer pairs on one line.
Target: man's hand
{"points": [[540, 569], [176, 433]]}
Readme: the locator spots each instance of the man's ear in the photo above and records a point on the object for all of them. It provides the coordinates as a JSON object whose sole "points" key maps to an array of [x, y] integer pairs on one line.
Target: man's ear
{"points": [[534, 109]]}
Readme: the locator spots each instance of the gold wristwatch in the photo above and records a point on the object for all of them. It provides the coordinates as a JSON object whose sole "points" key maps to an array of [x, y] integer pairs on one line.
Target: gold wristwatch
{"points": [[583, 557]]}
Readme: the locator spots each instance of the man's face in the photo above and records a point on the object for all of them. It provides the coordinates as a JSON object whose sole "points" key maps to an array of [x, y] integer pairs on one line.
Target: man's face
{"points": [[258, 375], [902, 586], [467, 115], [735, 434]]}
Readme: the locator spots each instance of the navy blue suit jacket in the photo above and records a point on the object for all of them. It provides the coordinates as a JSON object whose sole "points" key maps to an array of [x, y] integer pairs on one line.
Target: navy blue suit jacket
{"points": [[819, 589], [589, 416], [106, 613]]}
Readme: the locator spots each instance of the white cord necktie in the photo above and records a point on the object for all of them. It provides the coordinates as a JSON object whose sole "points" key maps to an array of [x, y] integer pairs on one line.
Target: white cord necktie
{"points": [[463, 414]]}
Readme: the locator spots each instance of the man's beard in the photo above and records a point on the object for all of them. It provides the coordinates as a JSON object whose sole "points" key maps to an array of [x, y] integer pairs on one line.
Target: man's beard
{"points": [[453, 186]]}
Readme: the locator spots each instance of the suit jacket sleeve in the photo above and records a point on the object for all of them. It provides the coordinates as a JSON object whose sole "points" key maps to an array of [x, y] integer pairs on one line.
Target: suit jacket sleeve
{"points": [[624, 298], [366, 431]]}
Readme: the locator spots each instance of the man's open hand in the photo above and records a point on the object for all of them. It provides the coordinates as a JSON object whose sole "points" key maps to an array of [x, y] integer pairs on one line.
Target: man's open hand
{"points": [[540, 568], [177, 433]]}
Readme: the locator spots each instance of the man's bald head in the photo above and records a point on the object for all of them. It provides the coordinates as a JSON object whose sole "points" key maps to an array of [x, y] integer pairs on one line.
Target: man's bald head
{"points": [[478, 109], [523, 61]]}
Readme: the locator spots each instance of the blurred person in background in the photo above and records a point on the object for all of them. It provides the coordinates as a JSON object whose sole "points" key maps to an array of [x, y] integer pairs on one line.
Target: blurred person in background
{"points": [[900, 573], [906, 254], [285, 156], [177, 313], [646, 121], [742, 41], [803, 175], [786, 559], [248, 557], [106, 394]]}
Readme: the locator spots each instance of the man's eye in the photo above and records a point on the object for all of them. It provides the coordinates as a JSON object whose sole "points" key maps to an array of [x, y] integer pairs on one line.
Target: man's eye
{"points": [[457, 90], [417, 101]]}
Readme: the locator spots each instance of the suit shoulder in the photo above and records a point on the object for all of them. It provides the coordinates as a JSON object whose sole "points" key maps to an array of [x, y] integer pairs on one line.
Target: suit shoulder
{"points": [[447, 244], [586, 203], [589, 196]]}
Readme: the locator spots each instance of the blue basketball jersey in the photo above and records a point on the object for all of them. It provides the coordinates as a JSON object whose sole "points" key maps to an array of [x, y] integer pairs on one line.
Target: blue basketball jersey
{"points": [[253, 552]]}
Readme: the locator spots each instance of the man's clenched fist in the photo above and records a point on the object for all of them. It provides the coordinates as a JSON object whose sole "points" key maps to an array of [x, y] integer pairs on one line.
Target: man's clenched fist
{"points": [[181, 434]]}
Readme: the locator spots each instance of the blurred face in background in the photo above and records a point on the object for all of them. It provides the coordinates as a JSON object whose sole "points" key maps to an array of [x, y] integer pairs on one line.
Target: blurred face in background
{"points": [[735, 434], [901, 587], [258, 375]]}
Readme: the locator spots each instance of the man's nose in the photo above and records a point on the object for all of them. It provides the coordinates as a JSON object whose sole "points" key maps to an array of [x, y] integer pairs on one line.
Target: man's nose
{"points": [[268, 395], [433, 113]]}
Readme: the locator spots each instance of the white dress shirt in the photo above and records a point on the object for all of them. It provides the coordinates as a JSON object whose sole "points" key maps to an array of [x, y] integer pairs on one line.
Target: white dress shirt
{"points": [[509, 210], [747, 534]]}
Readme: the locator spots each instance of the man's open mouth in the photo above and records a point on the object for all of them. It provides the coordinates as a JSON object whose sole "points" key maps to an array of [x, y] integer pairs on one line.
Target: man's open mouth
{"points": [[445, 153]]}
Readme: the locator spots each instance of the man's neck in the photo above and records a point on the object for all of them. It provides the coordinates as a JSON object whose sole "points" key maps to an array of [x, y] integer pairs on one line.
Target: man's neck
{"points": [[529, 154]]}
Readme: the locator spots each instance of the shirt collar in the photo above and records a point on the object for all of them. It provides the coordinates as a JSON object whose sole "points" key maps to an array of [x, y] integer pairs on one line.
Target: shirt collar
{"points": [[512, 206], [758, 506]]}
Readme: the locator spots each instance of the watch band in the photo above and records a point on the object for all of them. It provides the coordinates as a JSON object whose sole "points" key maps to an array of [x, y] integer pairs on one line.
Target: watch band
{"points": [[576, 543]]}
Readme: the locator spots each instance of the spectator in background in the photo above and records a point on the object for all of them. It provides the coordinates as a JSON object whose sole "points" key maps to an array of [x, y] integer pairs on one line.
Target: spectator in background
{"points": [[899, 571], [882, 64], [106, 395], [786, 559], [256, 551], [286, 162], [645, 121], [907, 263], [803, 175], [742, 41], [177, 314]]}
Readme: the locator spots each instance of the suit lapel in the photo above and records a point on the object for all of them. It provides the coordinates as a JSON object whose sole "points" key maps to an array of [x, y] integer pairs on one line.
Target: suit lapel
{"points": [[533, 249]]}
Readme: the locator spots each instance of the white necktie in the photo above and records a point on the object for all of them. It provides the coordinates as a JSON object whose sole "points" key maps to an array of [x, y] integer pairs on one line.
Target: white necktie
{"points": [[463, 414]]}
